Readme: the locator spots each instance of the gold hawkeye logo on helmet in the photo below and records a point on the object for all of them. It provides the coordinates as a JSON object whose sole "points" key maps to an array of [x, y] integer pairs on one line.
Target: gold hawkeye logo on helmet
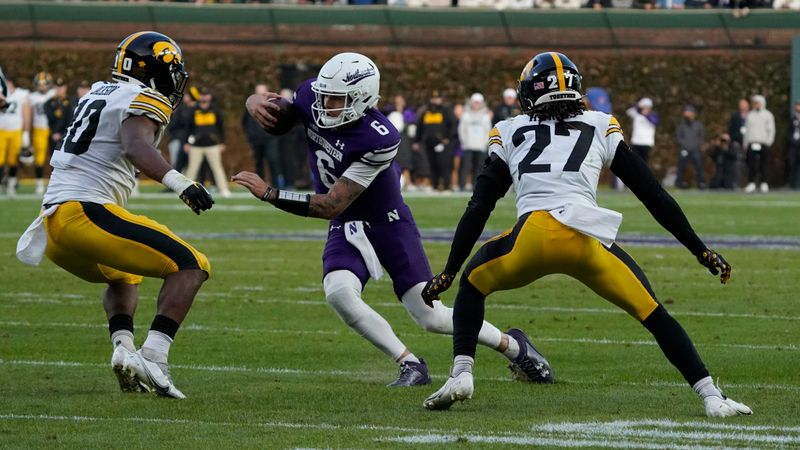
{"points": [[167, 52]]}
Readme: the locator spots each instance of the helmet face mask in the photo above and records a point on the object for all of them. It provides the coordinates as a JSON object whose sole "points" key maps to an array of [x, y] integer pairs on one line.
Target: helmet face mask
{"points": [[42, 82], [548, 77], [354, 80], [155, 60]]}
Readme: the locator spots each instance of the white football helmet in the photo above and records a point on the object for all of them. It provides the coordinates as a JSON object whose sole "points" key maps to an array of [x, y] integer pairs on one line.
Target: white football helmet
{"points": [[352, 76]]}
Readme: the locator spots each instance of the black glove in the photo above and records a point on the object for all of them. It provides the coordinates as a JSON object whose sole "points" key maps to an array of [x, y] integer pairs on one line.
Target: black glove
{"points": [[716, 264], [197, 198], [436, 286]]}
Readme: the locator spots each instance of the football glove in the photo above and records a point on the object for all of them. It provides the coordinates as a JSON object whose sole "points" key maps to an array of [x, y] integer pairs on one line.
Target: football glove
{"points": [[716, 264], [197, 198], [26, 156], [436, 286]]}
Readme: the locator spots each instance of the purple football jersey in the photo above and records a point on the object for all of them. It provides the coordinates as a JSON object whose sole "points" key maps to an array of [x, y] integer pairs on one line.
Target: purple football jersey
{"points": [[332, 150]]}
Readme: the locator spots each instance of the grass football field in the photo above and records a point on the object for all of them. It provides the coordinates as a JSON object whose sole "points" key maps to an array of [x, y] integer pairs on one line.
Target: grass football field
{"points": [[265, 363]]}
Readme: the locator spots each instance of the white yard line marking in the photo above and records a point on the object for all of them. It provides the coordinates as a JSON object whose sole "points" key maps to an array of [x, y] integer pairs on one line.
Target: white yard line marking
{"points": [[365, 374], [212, 329], [623, 434], [649, 434], [31, 297]]}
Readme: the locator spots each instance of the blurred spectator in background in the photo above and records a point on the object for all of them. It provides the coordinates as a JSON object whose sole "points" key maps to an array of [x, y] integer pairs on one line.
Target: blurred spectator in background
{"points": [[643, 135], [786, 4], [264, 147], [473, 133], [724, 156], [59, 111], [509, 107], [759, 135], [736, 133], [436, 127], [207, 141], [691, 136], [83, 88], [294, 152], [793, 149], [178, 129], [404, 119], [458, 150]]}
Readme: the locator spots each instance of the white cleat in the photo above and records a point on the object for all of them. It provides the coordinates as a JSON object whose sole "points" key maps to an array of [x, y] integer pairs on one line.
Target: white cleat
{"points": [[456, 389], [764, 188], [128, 382], [152, 374], [750, 188], [39, 187], [725, 407]]}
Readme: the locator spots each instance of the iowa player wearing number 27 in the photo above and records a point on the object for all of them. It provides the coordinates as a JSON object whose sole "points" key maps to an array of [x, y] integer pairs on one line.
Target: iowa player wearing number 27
{"points": [[553, 154], [84, 226], [352, 147]]}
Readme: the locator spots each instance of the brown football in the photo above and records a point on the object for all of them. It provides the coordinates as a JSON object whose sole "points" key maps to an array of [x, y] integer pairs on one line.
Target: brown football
{"points": [[285, 115]]}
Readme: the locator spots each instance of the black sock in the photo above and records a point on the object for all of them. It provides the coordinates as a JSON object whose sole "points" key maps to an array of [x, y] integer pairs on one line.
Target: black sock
{"points": [[468, 313], [39, 171], [120, 322], [676, 345], [12, 171], [164, 324]]}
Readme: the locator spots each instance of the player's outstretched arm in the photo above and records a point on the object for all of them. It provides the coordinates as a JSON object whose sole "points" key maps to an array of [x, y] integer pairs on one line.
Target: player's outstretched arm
{"points": [[324, 206], [491, 185], [137, 135], [633, 171]]}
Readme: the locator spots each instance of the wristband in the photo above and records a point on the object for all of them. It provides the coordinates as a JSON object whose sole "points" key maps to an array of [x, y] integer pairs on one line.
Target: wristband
{"points": [[176, 181], [293, 202], [26, 138], [265, 197]]}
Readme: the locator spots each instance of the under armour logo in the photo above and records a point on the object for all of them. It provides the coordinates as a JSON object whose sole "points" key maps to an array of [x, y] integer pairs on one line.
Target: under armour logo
{"points": [[339, 144], [336, 227], [393, 215]]}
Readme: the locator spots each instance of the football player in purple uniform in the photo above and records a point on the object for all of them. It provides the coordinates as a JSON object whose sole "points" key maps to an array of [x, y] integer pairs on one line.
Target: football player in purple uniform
{"points": [[352, 147]]}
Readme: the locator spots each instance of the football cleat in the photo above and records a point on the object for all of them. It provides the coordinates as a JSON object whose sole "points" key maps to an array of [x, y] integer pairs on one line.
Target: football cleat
{"points": [[725, 407], [456, 389], [126, 377], [412, 374], [152, 374], [530, 366]]}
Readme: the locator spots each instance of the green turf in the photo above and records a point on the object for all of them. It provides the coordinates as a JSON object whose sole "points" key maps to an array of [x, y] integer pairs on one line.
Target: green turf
{"points": [[266, 363]]}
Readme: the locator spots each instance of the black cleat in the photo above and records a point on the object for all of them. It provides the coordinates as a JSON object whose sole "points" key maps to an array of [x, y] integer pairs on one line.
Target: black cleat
{"points": [[530, 366]]}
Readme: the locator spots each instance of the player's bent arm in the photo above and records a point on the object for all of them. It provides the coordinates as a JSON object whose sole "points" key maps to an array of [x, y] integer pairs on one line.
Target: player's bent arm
{"points": [[137, 135], [491, 185]]}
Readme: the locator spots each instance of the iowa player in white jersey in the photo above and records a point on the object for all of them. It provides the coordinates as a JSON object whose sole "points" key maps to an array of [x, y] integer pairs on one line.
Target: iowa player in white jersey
{"points": [[12, 138], [89, 233], [553, 154], [38, 126]]}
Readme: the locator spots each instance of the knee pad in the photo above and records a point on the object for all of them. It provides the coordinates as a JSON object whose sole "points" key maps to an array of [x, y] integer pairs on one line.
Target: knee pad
{"points": [[343, 293], [438, 319]]}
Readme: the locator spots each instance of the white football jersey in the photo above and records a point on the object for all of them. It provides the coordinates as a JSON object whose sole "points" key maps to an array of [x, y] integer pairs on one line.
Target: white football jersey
{"points": [[90, 163], [11, 118], [556, 166], [37, 101]]}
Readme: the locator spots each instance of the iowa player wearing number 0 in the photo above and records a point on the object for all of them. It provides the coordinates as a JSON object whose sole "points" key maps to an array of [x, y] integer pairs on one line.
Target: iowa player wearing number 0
{"points": [[84, 226], [553, 154], [352, 150]]}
